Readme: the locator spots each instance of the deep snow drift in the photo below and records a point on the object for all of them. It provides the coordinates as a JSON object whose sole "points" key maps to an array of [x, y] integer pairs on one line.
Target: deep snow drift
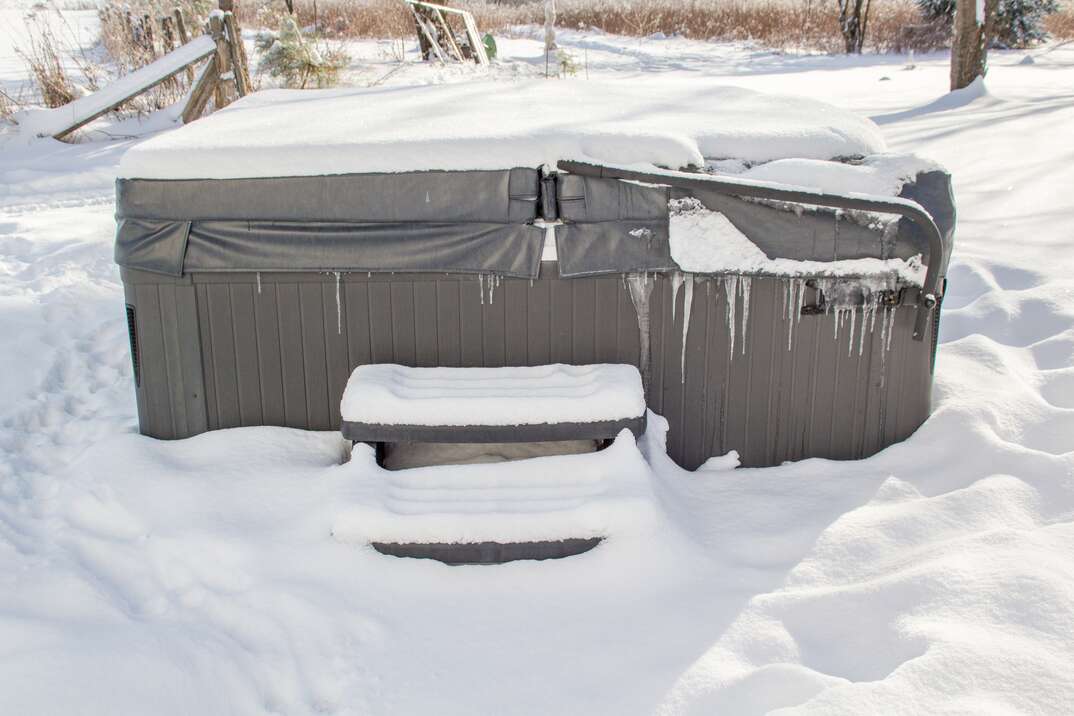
{"points": [[202, 576]]}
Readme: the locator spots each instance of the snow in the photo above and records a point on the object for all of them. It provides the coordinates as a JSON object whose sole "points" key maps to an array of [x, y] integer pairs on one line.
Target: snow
{"points": [[202, 576], [386, 394], [704, 241], [496, 125], [880, 174]]}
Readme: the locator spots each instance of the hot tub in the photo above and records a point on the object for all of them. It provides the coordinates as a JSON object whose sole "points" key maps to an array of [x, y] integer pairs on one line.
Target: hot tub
{"points": [[262, 263]]}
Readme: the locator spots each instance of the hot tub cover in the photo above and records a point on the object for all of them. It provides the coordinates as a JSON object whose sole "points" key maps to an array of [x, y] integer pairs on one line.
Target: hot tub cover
{"points": [[449, 178]]}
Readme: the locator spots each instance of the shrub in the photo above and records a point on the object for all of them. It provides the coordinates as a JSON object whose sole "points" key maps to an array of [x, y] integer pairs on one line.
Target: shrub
{"points": [[298, 60]]}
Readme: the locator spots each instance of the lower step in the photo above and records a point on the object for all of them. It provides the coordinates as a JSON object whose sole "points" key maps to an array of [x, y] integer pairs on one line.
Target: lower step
{"points": [[487, 552]]}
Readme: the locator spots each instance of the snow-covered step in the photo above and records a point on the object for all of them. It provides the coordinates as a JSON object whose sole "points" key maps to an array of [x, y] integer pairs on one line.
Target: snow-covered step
{"points": [[394, 403], [526, 509]]}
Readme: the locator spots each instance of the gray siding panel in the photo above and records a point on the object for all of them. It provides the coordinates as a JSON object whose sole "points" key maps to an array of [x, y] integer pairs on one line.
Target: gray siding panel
{"points": [[269, 355], [217, 351]]}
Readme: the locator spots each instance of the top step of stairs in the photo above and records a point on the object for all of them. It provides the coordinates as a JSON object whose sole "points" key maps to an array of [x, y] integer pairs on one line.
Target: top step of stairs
{"points": [[393, 403]]}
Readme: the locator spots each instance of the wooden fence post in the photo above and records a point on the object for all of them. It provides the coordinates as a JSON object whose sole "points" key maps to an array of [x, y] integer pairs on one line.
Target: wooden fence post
{"points": [[202, 90], [222, 59], [239, 63], [147, 33], [180, 25], [235, 48]]}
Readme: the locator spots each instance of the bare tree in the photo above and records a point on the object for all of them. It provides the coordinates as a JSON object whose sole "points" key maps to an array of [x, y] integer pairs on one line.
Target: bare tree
{"points": [[973, 31], [853, 19]]}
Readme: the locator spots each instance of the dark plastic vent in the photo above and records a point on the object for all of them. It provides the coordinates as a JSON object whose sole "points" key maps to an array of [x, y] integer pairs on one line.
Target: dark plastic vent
{"points": [[132, 333]]}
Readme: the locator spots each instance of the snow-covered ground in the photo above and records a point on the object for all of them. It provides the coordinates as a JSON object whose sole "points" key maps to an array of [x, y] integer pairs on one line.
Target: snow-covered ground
{"points": [[215, 575]]}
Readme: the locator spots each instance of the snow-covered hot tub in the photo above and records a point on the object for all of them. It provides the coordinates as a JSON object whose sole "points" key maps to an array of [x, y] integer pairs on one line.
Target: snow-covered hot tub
{"points": [[773, 273]]}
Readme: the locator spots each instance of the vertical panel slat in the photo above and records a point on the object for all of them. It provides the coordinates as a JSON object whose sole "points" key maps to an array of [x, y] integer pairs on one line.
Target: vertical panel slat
{"points": [[716, 348], [494, 321], [561, 346], [448, 322], [584, 316], [471, 322], [269, 354], [359, 342], [153, 363], [538, 321], [207, 353], [247, 364], [335, 345], [226, 373], [292, 358], [190, 351], [672, 377], [738, 367], [402, 318], [843, 396], [696, 388], [381, 326], [516, 323], [606, 320], [426, 350], [169, 324], [311, 308]]}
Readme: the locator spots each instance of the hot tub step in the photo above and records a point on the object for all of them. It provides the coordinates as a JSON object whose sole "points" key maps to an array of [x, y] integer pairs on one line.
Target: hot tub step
{"points": [[488, 552], [386, 403]]}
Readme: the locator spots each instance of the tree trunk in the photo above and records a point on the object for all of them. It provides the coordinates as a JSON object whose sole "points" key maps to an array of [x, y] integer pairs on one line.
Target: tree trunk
{"points": [[549, 25], [853, 17], [969, 45]]}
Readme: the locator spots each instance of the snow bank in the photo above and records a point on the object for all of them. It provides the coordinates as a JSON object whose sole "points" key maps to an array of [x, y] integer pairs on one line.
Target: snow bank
{"points": [[496, 125], [397, 395], [704, 241]]}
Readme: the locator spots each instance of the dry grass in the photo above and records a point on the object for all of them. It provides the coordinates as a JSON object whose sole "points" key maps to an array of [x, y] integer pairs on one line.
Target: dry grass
{"points": [[7, 107], [132, 34], [1061, 24], [44, 57], [806, 24]]}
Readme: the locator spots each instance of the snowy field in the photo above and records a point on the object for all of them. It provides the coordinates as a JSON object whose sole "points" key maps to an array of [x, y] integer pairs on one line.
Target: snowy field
{"points": [[228, 574]]}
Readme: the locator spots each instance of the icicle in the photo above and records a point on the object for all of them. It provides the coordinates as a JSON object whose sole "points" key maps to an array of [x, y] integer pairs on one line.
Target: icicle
{"points": [[481, 287], [676, 284], [868, 316], [744, 285], [891, 326], [850, 342], [339, 306], [641, 289], [687, 305], [793, 306], [730, 287], [258, 283]]}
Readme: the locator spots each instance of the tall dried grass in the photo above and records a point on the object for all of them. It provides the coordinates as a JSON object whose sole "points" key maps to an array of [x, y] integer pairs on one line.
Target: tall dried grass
{"points": [[7, 106], [806, 24], [1060, 25], [131, 33], [49, 61]]}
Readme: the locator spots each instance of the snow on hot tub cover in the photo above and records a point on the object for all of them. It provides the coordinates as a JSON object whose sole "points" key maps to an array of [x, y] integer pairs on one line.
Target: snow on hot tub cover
{"points": [[498, 125], [445, 178]]}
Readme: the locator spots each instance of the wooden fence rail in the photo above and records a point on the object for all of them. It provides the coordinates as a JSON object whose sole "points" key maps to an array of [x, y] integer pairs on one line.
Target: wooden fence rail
{"points": [[225, 73]]}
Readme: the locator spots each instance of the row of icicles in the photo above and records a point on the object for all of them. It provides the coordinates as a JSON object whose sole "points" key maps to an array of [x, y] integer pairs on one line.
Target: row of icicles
{"points": [[841, 299]]}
